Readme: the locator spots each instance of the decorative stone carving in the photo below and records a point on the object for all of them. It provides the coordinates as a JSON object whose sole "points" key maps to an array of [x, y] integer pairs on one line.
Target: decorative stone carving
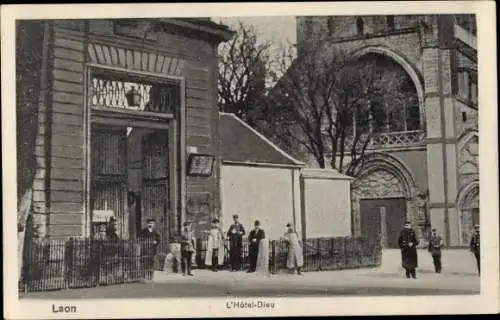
{"points": [[379, 184], [468, 168]]}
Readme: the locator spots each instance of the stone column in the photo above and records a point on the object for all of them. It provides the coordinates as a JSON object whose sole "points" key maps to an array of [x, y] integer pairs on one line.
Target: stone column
{"points": [[441, 139]]}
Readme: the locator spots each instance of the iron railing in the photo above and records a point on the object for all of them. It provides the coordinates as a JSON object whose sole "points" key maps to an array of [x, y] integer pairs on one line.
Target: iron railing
{"points": [[80, 263]]}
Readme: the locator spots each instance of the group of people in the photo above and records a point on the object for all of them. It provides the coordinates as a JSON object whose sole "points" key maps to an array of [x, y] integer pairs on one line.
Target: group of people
{"points": [[408, 243], [258, 247]]}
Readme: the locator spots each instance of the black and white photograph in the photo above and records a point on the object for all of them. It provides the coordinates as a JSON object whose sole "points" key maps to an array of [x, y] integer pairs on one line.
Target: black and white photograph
{"points": [[250, 157]]}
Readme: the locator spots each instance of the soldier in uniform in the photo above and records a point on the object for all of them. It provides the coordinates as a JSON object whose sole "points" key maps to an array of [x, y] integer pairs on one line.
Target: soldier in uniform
{"points": [[188, 244], [235, 235], [435, 245], [408, 243], [475, 247]]}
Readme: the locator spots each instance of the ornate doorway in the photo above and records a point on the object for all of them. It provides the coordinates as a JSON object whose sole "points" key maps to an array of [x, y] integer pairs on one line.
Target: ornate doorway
{"points": [[468, 205]]}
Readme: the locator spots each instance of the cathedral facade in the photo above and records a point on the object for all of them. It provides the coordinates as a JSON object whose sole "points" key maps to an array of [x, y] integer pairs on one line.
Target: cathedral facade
{"points": [[424, 166]]}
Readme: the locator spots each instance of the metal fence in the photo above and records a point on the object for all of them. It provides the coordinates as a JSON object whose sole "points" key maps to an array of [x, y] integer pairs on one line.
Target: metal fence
{"points": [[320, 254], [79, 263]]}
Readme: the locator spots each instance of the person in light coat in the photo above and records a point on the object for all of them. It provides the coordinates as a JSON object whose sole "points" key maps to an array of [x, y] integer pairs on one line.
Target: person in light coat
{"points": [[295, 259], [215, 247]]}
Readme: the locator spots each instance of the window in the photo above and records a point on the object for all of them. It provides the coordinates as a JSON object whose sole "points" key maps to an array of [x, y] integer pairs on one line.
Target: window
{"points": [[360, 26], [464, 116], [331, 26], [390, 23], [308, 26], [467, 86]]}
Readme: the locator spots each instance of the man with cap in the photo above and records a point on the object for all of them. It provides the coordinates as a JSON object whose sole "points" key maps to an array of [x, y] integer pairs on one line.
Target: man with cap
{"points": [[188, 244], [435, 245], [150, 239], [475, 247], [235, 235], [408, 243], [254, 237], [295, 259]]}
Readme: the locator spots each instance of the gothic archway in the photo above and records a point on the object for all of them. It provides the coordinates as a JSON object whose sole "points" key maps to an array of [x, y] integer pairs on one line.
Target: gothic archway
{"points": [[384, 191], [402, 61], [468, 208]]}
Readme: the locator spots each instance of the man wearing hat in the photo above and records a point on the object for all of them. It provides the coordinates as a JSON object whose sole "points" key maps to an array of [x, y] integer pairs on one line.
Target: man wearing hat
{"points": [[435, 245], [475, 247], [235, 235], [408, 243], [254, 237], [150, 239]]}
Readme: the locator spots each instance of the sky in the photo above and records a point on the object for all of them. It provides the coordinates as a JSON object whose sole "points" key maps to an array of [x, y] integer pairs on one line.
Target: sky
{"points": [[279, 30]]}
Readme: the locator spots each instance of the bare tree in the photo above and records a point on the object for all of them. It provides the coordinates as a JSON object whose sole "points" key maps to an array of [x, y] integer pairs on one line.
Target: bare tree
{"points": [[242, 73], [329, 103], [29, 56]]}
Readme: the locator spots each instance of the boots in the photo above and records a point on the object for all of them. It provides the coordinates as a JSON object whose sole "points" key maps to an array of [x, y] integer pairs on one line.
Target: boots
{"points": [[299, 271]]}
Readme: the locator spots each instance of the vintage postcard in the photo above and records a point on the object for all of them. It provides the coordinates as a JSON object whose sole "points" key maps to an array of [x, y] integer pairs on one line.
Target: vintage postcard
{"points": [[239, 159]]}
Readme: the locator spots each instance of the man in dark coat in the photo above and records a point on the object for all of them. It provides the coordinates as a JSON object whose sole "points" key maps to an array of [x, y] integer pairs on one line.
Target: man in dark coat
{"points": [[435, 245], [235, 235], [408, 243], [150, 239], [254, 238], [475, 247]]}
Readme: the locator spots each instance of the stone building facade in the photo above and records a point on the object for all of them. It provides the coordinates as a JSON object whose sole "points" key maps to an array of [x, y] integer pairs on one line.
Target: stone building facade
{"points": [[120, 106], [424, 168]]}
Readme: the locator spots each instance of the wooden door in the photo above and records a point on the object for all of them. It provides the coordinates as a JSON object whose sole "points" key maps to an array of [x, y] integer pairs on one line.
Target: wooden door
{"points": [[109, 174], [155, 187], [384, 218]]}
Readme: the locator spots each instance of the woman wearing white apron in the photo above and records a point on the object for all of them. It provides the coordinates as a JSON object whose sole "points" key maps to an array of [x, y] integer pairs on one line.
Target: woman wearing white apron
{"points": [[215, 247], [295, 258]]}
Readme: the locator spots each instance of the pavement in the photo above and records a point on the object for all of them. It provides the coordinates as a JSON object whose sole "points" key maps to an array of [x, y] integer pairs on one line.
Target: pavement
{"points": [[458, 277]]}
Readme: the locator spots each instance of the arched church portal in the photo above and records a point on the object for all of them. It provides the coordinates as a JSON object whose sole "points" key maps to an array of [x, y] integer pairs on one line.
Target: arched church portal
{"points": [[383, 192], [468, 207]]}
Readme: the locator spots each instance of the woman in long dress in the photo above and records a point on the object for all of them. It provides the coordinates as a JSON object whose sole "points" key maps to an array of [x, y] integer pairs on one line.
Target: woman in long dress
{"points": [[295, 259], [214, 257]]}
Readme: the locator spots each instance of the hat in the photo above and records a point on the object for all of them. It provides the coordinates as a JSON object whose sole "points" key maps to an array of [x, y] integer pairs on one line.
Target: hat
{"points": [[407, 222], [235, 216], [215, 220], [288, 225], [476, 225], [150, 220], [186, 223], [434, 230], [257, 223]]}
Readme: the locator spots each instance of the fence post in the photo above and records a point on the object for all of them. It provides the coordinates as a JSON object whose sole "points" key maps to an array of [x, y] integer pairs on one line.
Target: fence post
{"points": [[273, 256], [320, 256], [67, 262]]}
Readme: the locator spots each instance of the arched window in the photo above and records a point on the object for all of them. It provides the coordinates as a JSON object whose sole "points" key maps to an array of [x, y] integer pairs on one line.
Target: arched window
{"points": [[331, 26], [390, 23], [360, 26], [467, 85], [393, 105]]}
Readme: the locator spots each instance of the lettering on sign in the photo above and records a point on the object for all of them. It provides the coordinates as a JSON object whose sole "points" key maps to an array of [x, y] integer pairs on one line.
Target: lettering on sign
{"points": [[201, 165]]}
